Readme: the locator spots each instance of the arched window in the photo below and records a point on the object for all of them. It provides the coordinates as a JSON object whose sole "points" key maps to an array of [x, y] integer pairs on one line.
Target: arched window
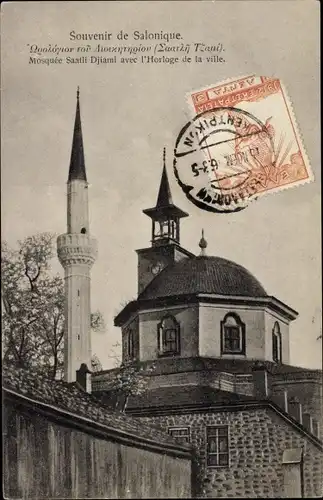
{"points": [[168, 337], [129, 351], [83, 230], [233, 332], [131, 345], [277, 343]]}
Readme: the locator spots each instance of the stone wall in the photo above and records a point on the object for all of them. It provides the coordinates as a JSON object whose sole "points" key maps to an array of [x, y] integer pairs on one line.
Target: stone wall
{"points": [[257, 440]]}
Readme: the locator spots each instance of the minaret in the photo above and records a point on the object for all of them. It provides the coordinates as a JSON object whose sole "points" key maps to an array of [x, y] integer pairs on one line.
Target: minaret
{"points": [[77, 252]]}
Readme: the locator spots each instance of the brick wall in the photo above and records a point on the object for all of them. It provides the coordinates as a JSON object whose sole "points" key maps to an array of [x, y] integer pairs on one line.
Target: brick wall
{"points": [[257, 440]]}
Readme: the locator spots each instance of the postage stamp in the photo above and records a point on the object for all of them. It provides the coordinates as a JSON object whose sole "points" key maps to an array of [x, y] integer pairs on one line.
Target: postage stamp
{"points": [[242, 143]]}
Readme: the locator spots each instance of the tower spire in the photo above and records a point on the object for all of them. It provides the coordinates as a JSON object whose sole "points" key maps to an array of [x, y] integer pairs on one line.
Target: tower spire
{"points": [[77, 164], [202, 244], [164, 197], [165, 215]]}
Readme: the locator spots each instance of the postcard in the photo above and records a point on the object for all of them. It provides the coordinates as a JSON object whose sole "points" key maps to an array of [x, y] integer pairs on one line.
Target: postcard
{"points": [[161, 249]]}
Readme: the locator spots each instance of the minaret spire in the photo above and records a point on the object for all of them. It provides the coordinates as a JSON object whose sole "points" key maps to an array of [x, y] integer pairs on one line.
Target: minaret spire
{"points": [[76, 251], [77, 163]]}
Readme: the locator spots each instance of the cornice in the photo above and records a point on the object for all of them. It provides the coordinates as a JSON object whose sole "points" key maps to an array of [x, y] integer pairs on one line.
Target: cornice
{"points": [[270, 302]]}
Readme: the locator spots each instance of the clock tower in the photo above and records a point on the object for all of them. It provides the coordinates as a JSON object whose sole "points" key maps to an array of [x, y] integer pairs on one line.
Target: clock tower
{"points": [[165, 235]]}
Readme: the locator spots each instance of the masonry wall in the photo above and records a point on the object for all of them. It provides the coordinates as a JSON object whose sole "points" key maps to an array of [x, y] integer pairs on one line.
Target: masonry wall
{"points": [[43, 459], [257, 440]]}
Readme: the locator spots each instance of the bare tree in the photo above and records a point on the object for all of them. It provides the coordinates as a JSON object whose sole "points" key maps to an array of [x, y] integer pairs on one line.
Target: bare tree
{"points": [[97, 322], [96, 365], [131, 379], [115, 354], [33, 306]]}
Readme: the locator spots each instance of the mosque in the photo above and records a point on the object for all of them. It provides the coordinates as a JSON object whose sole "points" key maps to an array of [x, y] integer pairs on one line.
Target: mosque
{"points": [[222, 387], [222, 379]]}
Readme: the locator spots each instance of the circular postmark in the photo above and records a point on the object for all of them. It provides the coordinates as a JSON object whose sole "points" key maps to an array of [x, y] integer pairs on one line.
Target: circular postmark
{"points": [[220, 158]]}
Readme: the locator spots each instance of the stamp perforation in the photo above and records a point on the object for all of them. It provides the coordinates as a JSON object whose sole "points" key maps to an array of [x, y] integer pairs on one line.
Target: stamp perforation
{"points": [[288, 166]]}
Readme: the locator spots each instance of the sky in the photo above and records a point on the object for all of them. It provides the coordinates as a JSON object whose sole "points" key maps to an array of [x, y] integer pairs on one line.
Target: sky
{"points": [[129, 113]]}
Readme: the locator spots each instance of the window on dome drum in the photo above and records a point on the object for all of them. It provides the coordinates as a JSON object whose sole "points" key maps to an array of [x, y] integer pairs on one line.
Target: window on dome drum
{"points": [[233, 332], [180, 433], [128, 345], [131, 350], [168, 337], [217, 445], [277, 343]]}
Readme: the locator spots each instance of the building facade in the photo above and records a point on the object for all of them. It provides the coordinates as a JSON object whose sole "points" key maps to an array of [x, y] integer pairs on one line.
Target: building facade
{"points": [[222, 379]]}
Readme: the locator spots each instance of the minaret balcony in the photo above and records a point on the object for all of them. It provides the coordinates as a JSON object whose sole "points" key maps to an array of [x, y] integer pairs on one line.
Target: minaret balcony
{"points": [[76, 248]]}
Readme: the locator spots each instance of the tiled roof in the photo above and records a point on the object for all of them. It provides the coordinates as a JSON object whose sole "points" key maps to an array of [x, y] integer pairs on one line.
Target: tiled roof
{"points": [[180, 396], [212, 275], [236, 366], [69, 398]]}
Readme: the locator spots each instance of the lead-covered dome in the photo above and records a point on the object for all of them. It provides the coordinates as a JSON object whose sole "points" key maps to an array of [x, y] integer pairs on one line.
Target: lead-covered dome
{"points": [[209, 275]]}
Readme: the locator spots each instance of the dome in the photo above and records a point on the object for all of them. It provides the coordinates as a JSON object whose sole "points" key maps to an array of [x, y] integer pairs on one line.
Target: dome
{"points": [[209, 275]]}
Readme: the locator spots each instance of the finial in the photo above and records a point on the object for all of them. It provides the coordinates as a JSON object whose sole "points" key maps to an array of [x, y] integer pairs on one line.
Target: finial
{"points": [[78, 93], [164, 157], [202, 244]]}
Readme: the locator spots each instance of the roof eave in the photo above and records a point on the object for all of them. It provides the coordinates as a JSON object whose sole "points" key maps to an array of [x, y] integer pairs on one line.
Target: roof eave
{"points": [[174, 244], [269, 301], [90, 425], [166, 210], [125, 313], [283, 308]]}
